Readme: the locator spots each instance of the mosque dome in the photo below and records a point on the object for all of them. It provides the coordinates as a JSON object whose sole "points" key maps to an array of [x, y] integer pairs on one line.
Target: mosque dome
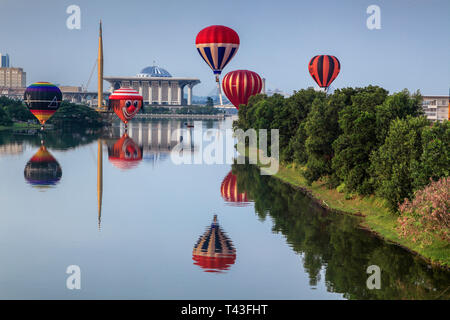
{"points": [[154, 71]]}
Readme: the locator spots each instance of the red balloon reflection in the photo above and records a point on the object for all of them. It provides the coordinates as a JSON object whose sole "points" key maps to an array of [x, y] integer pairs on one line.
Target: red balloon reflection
{"points": [[230, 192]]}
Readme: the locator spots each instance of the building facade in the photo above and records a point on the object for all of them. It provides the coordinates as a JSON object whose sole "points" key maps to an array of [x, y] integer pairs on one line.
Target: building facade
{"points": [[436, 107], [12, 78], [4, 60], [157, 86]]}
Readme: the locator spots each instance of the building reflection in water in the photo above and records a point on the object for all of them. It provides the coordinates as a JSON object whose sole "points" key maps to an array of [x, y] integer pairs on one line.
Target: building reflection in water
{"points": [[42, 170], [125, 153], [230, 193], [158, 139], [214, 251]]}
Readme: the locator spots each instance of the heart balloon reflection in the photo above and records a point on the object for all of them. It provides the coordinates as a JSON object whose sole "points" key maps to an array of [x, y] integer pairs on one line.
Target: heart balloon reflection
{"points": [[42, 170]]}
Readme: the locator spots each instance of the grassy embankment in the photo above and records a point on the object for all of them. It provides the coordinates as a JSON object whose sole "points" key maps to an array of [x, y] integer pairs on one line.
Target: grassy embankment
{"points": [[376, 217]]}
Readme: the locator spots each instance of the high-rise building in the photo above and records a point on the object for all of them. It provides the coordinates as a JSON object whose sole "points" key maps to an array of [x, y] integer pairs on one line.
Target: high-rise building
{"points": [[436, 107], [12, 78], [4, 60]]}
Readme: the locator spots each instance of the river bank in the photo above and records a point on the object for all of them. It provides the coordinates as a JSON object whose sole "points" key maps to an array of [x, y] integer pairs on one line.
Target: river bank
{"points": [[376, 217]]}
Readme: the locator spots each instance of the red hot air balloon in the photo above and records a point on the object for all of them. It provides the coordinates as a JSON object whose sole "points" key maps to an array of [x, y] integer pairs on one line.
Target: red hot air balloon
{"points": [[239, 85], [324, 69], [214, 251], [126, 103], [230, 192], [125, 153], [217, 45]]}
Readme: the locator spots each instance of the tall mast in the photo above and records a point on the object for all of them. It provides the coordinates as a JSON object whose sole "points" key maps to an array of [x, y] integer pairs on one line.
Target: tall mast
{"points": [[99, 181], [100, 68]]}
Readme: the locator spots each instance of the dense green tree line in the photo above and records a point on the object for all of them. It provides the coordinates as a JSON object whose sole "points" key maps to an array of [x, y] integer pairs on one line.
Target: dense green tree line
{"points": [[361, 139], [332, 244]]}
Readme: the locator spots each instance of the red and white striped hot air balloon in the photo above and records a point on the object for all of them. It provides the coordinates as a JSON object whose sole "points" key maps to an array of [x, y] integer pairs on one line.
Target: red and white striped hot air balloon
{"points": [[126, 103], [240, 85]]}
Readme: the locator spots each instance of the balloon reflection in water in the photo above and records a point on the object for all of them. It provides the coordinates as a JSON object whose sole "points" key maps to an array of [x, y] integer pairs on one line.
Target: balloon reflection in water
{"points": [[125, 153], [230, 192], [214, 251], [43, 171]]}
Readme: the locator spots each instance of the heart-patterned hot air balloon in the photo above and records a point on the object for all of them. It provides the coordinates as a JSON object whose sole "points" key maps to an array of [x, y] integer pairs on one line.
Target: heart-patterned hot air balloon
{"points": [[126, 103]]}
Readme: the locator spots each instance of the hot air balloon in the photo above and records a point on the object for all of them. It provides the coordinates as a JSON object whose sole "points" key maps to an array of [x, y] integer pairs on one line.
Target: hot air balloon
{"points": [[126, 103], [217, 45], [324, 69], [125, 153], [43, 99], [214, 251], [42, 171], [239, 85], [230, 192]]}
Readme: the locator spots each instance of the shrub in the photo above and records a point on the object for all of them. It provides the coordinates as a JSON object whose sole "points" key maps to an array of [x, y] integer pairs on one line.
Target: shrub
{"points": [[427, 216]]}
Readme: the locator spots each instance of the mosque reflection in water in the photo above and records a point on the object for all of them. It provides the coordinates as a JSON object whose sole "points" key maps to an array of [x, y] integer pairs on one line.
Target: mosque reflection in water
{"points": [[214, 251], [42, 170]]}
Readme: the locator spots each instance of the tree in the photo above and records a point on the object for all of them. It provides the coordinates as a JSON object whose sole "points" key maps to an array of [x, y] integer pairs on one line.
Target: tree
{"points": [[322, 129], [289, 118], [5, 120], [397, 106], [358, 139], [434, 161], [394, 162], [209, 102]]}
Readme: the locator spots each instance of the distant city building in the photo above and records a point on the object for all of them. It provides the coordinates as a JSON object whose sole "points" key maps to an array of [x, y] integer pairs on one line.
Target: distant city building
{"points": [[12, 78], [435, 107], [157, 86], [4, 60], [271, 92]]}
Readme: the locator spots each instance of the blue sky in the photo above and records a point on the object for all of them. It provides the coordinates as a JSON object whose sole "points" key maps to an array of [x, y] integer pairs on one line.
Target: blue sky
{"points": [[411, 50]]}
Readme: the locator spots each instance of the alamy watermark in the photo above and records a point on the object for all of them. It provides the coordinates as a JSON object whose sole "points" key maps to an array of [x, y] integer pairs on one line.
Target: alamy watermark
{"points": [[74, 20], [374, 280], [374, 20], [221, 147], [74, 280]]}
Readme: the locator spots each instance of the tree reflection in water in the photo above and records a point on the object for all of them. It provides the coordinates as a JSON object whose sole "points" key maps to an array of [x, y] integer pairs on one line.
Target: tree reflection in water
{"points": [[334, 243]]}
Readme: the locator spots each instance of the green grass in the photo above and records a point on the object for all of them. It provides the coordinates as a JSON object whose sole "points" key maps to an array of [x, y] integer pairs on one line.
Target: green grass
{"points": [[376, 216], [21, 125]]}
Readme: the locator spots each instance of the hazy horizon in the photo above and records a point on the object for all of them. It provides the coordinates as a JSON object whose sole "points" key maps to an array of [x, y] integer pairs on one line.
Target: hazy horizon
{"points": [[278, 39]]}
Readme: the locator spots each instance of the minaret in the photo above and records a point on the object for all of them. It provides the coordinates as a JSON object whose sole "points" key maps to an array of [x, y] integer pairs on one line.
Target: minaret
{"points": [[100, 69], [99, 181]]}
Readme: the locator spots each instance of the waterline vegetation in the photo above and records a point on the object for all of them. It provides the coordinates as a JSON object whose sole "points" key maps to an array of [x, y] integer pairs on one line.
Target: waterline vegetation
{"points": [[360, 150]]}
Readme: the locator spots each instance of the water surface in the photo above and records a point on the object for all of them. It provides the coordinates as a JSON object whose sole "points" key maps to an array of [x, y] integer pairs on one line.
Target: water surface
{"points": [[141, 227]]}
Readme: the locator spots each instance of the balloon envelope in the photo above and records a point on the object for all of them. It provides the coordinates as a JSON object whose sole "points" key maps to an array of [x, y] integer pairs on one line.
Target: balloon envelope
{"points": [[43, 99], [125, 153], [240, 85], [42, 170], [324, 69], [126, 103], [217, 45]]}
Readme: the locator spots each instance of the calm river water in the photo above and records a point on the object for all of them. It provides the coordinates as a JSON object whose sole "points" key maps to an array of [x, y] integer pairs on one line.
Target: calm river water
{"points": [[140, 226]]}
